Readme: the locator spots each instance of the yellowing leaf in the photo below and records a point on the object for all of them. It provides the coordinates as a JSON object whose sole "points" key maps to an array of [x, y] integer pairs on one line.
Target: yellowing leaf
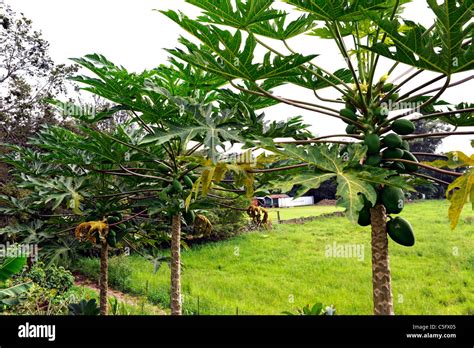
{"points": [[459, 192], [456, 159]]}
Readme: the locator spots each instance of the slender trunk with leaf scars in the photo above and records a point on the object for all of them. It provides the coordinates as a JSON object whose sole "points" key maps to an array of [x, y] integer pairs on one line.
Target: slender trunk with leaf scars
{"points": [[104, 277], [381, 279], [176, 265]]}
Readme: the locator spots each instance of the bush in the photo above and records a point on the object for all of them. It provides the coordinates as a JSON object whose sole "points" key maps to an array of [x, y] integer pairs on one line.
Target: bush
{"points": [[53, 277], [44, 301]]}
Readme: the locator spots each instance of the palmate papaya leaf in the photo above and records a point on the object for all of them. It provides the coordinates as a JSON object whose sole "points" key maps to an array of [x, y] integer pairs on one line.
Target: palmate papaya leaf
{"points": [[442, 49], [126, 90], [222, 53], [304, 182], [465, 119], [307, 79], [209, 126], [461, 190], [68, 190], [32, 232], [85, 113], [341, 10], [243, 15], [14, 206], [353, 181], [278, 29]]}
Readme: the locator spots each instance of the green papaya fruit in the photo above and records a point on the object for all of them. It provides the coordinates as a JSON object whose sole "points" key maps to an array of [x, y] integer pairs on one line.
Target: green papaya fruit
{"points": [[387, 87], [373, 160], [188, 182], [351, 129], [163, 195], [401, 232], [189, 217], [351, 107], [405, 145], [380, 114], [177, 187], [392, 141], [393, 199], [392, 153], [372, 141], [398, 167], [112, 219], [364, 217], [111, 240], [410, 157], [163, 168], [403, 127], [394, 97], [348, 113]]}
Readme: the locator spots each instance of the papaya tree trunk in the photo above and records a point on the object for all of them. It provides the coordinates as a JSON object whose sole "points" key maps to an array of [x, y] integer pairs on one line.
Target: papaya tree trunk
{"points": [[104, 277], [381, 279], [176, 265]]}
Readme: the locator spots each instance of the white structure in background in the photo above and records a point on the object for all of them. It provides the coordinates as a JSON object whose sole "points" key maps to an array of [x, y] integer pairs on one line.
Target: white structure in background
{"points": [[295, 202]]}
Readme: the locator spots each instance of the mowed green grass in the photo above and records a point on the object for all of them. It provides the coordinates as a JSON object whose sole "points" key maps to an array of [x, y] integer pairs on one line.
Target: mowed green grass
{"points": [[286, 268], [299, 212]]}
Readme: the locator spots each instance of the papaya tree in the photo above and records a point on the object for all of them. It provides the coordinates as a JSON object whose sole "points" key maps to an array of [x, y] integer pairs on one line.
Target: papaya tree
{"points": [[71, 203], [180, 129], [371, 162]]}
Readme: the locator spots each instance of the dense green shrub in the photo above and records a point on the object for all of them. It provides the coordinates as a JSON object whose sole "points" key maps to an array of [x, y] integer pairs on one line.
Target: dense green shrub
{"points": [[53, 277]]}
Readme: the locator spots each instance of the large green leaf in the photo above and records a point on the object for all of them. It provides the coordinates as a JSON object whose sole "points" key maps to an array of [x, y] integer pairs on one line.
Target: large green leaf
{"points": [[350, 189], [442, 49], [57, 190], [341, 10], [209, 127], [465, 119], [222, 53], [278, 28], [304, 182], [243, 15], [353, 181], [11, 266]]}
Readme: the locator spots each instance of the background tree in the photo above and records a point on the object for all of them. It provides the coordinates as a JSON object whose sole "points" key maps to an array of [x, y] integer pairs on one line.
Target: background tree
{"points": [[28, 75]]}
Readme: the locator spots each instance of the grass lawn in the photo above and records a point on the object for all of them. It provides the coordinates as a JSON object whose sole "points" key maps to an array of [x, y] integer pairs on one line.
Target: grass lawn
{"points": [[287, 267], [298, 212]]}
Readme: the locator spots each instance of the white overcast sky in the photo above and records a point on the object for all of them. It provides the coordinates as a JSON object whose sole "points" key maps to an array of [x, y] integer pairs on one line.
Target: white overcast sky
{"points": [[130, 33]]}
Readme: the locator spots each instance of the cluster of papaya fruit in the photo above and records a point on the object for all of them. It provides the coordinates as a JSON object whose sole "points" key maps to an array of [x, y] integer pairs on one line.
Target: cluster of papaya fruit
{"points": [[116, 232], [383, 150], [176, 188], [398, 228]]}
